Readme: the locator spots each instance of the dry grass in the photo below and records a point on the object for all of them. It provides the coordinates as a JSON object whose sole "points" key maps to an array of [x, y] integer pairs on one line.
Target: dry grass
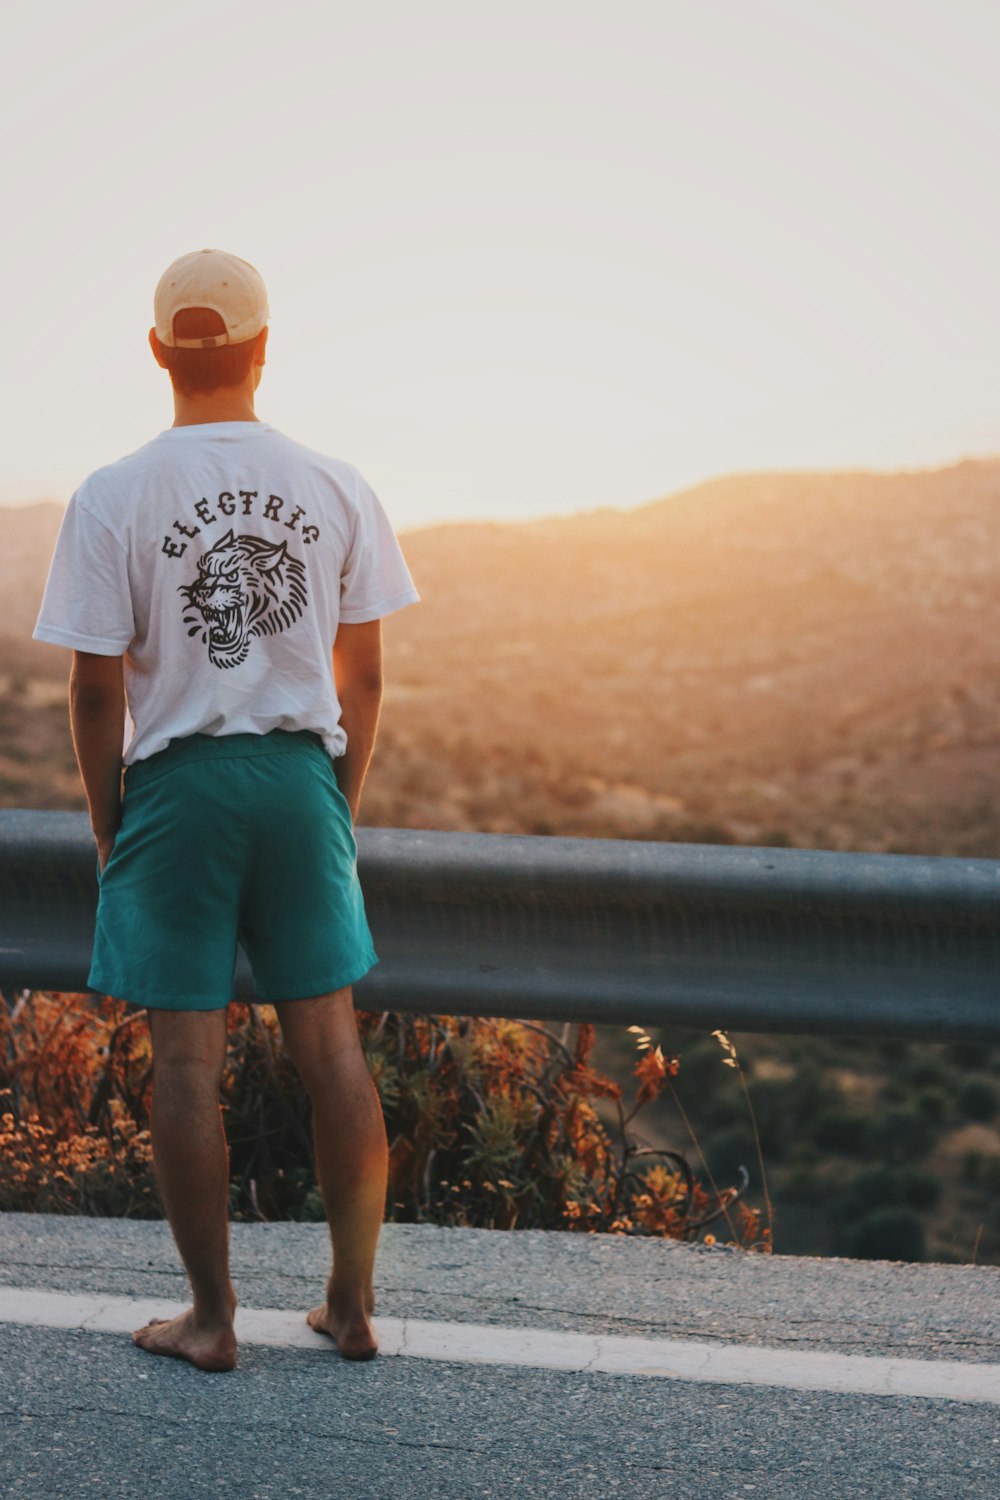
{"points": [[491, 1124]]}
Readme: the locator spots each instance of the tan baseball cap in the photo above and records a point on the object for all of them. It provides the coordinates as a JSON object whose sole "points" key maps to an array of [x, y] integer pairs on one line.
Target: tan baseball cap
{"points": [[211, 278]]}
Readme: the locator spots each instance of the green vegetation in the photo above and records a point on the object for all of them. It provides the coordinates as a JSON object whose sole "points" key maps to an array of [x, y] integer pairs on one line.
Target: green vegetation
{"points": [[872, 1148]]}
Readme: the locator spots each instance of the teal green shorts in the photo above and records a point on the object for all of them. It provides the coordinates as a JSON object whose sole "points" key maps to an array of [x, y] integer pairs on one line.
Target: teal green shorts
{"points": [[236, 838]]}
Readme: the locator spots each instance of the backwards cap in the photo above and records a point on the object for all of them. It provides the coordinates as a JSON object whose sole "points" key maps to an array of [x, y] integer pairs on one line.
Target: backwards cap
{"points": [[211, 278]]}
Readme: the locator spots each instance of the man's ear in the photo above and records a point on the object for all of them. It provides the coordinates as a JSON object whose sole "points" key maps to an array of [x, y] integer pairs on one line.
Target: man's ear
{"points": [[260, 347], [157, 349]]}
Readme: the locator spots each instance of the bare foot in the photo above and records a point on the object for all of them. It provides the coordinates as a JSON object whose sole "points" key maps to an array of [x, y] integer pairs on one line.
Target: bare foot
{"points": [[209, 1348], [352, 1333]]}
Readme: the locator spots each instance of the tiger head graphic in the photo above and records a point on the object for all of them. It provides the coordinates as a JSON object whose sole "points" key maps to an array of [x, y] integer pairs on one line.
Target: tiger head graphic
{"points": [[245, 587]]}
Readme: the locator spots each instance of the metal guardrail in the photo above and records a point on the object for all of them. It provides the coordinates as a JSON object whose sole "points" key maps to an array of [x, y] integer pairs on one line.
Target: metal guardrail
{"points": [[781, 940]]}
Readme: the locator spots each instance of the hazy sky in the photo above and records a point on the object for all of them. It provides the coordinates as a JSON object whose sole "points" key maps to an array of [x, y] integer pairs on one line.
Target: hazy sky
{"points": [[522, 258]]}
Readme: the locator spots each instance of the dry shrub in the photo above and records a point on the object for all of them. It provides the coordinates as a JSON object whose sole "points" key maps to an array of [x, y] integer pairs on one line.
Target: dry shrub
{"points": [[75, 1075], [491, 1123]]}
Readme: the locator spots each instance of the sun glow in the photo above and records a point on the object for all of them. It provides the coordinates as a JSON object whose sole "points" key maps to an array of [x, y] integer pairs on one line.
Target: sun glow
{"points": [[517, 265]]}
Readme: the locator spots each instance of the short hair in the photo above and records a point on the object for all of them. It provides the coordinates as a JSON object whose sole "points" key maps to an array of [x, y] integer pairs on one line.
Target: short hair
{"points": [[194, 372]]}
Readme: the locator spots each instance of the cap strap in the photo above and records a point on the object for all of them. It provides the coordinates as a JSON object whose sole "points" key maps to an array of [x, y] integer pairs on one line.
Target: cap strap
{"points": [[212, 341]]}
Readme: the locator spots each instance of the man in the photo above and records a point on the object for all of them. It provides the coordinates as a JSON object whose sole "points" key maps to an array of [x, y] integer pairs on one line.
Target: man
{"points": [[226, 586]]}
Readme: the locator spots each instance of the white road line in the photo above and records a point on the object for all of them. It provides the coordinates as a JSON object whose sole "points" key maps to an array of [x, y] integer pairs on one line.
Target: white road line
{"points": [[548, 1349]]}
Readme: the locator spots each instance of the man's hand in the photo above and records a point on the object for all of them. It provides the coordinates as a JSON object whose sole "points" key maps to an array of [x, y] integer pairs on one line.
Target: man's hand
{"points": [[104, 848], [97, 719], [357, 669]]}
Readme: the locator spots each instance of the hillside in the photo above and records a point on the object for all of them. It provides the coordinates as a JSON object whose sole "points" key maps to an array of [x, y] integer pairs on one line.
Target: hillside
{"points": [[778, 658], [800, 658]]}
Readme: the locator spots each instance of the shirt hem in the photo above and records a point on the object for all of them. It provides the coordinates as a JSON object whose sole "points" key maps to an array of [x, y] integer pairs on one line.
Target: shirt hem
{"points": [[95, 645], [161, 741], [362, 613]]}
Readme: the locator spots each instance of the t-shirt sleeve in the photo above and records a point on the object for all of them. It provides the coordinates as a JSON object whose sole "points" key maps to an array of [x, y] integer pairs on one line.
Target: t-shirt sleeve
{"points": [[87, 603], [375, 580]]}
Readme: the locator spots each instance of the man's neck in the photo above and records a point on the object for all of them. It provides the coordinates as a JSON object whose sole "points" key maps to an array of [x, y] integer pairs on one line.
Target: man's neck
{"points": [[228, 404]]}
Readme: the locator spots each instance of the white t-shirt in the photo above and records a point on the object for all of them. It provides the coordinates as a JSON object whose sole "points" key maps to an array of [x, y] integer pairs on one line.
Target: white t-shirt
{"points": [[219, 560]]}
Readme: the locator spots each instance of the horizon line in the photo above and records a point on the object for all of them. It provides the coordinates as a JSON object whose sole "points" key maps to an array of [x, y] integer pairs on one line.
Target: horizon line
{"points": [[719, 477]]}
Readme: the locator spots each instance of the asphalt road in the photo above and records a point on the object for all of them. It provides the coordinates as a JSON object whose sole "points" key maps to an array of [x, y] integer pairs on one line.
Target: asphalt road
{"points": [[85, 1413]]}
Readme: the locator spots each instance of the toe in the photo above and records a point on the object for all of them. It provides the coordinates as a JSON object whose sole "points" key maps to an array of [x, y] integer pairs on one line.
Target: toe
{"points": [[316, 1318], [144, 1334]]}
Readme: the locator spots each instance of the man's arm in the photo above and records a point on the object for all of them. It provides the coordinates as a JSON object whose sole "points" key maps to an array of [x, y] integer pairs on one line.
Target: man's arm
{"points": [[357, 670], [97, 720]]}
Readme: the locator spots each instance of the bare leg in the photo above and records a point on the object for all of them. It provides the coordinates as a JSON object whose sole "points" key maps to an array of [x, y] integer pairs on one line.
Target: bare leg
{"points": [[191, 1162], [321, 1035]]}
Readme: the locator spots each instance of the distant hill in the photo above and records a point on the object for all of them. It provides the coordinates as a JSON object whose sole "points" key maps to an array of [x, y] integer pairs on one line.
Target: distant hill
{"points": [[803, 657], [806, 658]]}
